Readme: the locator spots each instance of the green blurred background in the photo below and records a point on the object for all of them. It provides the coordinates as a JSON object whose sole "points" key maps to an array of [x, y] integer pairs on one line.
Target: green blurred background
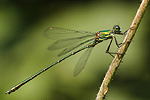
{"points": [[23, 50]]}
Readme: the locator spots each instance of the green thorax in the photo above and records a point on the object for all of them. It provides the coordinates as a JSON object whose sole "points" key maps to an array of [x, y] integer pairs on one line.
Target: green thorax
{"points": [[106, 34]]}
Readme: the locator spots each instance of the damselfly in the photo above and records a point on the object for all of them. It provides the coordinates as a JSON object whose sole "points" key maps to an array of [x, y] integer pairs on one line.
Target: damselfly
{"points": [[73, 40]]}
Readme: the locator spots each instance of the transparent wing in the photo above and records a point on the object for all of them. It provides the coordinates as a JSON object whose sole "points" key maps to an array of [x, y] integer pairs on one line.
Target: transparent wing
{"points": [[72, 47], [59, 44], [82, 61], [57, 33], [68, 39]]}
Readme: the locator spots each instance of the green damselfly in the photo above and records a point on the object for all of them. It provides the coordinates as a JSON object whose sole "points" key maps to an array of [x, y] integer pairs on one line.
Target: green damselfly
{"points": [[73, 40]]}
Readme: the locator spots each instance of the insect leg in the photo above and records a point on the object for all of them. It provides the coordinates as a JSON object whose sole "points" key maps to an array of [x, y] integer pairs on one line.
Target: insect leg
{"points": [[116, 41], [107, 51]]}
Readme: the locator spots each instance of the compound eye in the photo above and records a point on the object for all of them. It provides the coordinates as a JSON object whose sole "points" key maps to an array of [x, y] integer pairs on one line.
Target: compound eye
{"points": [[117, 28]]}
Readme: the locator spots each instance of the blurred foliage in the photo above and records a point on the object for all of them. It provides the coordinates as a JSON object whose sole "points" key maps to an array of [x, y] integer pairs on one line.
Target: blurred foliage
{"points": [[23, 50]]}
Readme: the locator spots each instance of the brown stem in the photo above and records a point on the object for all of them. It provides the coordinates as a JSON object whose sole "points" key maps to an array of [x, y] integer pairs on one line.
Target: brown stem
{"points": [[122, 50]]}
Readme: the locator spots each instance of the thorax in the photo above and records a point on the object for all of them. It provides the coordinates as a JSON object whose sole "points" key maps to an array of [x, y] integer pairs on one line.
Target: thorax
{"points": [[105, 34]]}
